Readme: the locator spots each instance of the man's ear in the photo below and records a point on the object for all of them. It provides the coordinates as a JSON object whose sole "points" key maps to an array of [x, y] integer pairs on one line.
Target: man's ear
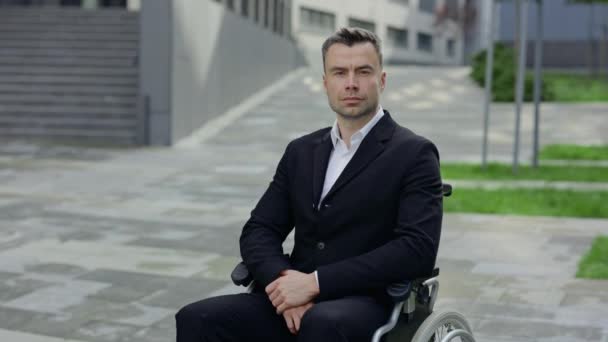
{"points": [[382, 80], [324, 82]]}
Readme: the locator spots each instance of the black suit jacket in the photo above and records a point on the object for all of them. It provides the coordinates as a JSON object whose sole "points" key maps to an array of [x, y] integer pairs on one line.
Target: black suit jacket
{"points": [[379, 223]]}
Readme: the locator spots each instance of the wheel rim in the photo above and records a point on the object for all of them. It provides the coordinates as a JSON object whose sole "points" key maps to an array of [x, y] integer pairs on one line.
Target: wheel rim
{"points": [[442, 331], [444, 325]]}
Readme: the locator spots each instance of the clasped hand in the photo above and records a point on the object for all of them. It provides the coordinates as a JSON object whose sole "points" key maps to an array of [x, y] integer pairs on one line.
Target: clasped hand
{"points": [[291, 294]]}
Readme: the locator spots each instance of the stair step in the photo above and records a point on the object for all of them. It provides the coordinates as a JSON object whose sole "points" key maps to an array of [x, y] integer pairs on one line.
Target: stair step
{"points": [[65, 110], [66, 122], [85, 53], [70, 79], [128, 102], [6, 70], [69, 44], [63, 28], [69, 74], [112, 137], [69, 36], [67, 89], [69, 61], [66, 14], [20, 20]]}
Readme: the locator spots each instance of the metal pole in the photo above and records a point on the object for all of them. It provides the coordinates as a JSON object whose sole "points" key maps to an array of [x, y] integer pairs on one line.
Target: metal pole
{"points": [[488, 90], [521, 67], [538, 74]]}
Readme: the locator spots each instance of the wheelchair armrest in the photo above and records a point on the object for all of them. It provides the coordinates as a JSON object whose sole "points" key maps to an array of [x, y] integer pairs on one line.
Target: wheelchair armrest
{"points": [[399, 291], [447, 189], [241, 276]]}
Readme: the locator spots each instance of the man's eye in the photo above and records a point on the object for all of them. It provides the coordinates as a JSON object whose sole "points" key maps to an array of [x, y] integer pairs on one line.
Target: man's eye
{"points": [[364, 72]]}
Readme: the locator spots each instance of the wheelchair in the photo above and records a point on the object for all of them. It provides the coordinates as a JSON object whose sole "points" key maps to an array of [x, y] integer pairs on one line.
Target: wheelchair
{"points": [[412, 317]]}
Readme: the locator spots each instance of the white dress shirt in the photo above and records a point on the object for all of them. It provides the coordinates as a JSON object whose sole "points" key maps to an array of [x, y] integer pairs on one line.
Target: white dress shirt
{"points": [[342, 154]]}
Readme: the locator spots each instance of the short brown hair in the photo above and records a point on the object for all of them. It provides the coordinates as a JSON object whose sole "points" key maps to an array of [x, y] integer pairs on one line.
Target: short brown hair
{"points": [[350, 36]]}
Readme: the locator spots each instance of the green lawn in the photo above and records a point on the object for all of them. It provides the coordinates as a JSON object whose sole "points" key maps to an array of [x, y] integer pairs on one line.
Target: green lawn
{"points": [[575, 88], [544, 202], [594, 265], [575, 152], [504, 172]]}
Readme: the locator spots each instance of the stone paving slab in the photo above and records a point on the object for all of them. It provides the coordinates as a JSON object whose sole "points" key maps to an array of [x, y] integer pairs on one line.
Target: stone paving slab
{"points": [[16, 336], [106, 244]]}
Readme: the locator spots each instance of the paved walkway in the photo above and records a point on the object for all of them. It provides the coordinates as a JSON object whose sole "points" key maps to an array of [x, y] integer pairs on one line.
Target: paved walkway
{"points": [[106, 245], [528, 184]]}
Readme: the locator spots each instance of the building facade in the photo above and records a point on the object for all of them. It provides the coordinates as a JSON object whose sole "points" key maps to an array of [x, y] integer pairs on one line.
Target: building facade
{"points": [[409, 29]]}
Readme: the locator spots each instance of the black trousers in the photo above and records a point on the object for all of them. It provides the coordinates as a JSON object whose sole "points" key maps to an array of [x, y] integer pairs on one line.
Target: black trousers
{"points": [[251, 317]]}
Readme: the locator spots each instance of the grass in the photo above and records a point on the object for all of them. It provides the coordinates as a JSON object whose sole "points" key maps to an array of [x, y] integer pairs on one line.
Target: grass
{"points": [[533, 202], [497, 171], [594, 264], [574, 152], [563, 87]]}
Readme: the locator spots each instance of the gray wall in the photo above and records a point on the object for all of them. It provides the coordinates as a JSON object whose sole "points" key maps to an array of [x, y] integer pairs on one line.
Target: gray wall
{"points": [[210, 61], [567, 29], [562, 21]]}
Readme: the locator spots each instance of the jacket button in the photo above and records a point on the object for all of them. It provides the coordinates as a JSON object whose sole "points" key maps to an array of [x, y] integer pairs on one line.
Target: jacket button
{"points": [[327, 205], [320, 246]]}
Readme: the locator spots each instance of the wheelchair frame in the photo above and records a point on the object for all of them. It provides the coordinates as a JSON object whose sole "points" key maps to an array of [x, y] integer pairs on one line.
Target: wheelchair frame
{"points": [[412, 318]]}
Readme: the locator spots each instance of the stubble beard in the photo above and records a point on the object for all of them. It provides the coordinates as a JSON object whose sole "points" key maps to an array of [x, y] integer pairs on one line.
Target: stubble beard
{"points": [[364, 112]]}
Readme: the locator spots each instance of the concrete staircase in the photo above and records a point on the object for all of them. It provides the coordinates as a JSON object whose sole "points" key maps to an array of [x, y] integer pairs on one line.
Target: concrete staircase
{"points": [[69, 74]]}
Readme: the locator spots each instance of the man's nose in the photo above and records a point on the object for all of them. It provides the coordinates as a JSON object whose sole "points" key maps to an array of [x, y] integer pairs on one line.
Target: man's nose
{"points": [[352, 82]]}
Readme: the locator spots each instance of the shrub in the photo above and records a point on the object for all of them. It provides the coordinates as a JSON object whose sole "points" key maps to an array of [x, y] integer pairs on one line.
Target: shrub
{"points": [[503, 73]]}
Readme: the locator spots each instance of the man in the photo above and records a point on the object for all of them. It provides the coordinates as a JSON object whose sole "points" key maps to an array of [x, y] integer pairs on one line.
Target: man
{"points": [[365, 199]]}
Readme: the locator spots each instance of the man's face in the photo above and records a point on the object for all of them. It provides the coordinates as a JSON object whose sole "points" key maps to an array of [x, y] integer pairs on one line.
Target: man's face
{"points": [[353, 79]]}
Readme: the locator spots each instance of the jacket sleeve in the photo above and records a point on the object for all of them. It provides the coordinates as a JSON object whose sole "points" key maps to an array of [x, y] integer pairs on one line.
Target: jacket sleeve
{"points": [[270, 222], [412, 251]]}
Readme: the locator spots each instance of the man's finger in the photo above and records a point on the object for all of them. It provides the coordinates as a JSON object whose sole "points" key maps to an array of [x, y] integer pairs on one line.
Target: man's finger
{"points": [[296, 320], [281, 308], [273, 295], [271, 287], [290, 323], [277, 302]]}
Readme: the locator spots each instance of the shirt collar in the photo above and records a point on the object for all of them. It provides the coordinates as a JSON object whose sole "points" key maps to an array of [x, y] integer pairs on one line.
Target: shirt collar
{"points": [[360, 134]]}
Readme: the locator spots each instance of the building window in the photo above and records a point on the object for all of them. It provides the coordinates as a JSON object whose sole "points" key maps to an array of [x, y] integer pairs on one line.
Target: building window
{"points": [[280, 17], [287, 28], [275, 16], [427, 6], [266, 13], [451, 47], [109, 3], [230, 4], [256, 10], [318, 21], [396, 37], [245, 8], [65, 3], [402, 2], [425, 42], [368, 25]]}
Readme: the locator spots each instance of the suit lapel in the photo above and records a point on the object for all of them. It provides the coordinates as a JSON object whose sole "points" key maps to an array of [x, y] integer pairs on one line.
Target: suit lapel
{"points": [[320, 160], [371, 146]]}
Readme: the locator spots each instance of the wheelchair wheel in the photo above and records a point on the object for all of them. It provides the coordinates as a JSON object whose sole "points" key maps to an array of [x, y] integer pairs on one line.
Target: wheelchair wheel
{"points": [[440, 325]]}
